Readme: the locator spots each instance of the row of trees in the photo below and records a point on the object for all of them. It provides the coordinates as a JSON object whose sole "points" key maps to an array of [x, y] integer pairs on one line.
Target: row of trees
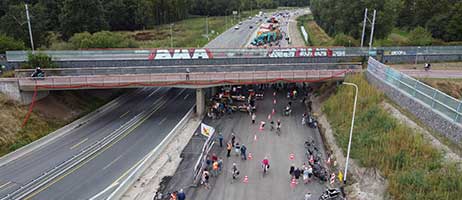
{"points": [[440, 17], [68, 17]]}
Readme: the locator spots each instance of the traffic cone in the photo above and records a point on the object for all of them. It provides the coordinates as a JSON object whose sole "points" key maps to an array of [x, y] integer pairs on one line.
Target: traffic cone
{"points": [[292, 156], [250, 156], [332, 178], [274, 94], [274, 101], [255, 137], [293, 183], [246, 179], [269, 117], [273, 112]]}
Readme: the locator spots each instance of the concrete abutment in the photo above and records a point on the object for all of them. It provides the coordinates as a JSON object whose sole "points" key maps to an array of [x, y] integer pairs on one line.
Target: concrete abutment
{"points": [[10, 87]]}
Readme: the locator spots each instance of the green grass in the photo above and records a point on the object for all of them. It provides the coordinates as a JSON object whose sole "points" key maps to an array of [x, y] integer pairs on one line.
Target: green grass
{"points": [[414, 169], [316, 35]]}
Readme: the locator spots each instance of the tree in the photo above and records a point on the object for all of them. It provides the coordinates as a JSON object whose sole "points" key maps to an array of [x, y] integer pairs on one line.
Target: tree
{"points": [[420, 37], [82, 15], [9, 43]]}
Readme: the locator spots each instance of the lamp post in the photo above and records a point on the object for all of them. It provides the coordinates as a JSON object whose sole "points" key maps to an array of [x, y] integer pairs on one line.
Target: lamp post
{"points": [[171, 35], [351, 129], [28, 23]]}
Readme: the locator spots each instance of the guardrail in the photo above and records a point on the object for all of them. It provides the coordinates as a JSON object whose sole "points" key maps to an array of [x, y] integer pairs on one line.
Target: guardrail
{"points": [[199, 79], [205, 53], [444, 104], [182, 68]]}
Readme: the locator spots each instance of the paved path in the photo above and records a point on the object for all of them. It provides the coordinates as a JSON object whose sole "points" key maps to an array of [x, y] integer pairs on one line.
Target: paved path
{"points": [[432, 73], [276, 184], [294, 31]]}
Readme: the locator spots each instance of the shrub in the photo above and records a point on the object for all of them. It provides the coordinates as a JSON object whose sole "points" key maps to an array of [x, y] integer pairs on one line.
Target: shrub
{"points": [[39, 60], [420, 37], [345, 40], [8, 43], [103, 39]]}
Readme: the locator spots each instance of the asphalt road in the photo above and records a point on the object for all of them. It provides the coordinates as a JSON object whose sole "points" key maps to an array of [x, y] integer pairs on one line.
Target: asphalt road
{"points": [[233, 38], [99, 172], [437, 73]]}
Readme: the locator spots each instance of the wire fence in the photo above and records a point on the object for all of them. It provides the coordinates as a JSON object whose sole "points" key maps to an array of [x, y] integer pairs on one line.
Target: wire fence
{"points": [[442, 103]]}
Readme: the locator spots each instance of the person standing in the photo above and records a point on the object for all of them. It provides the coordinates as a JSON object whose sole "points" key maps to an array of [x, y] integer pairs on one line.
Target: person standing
{"points": [[243, 152], [187, 73], [233, 139], [297, 173], [254, 116], [205, 178], [228, 148], [220, 139], [181, 195], [235, 171], [215, 168], [220, 164], [291, 171], [306, 175]]}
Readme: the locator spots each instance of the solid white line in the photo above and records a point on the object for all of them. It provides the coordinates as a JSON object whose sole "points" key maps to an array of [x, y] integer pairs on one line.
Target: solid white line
{"points": [[76, 145], [104, 191], [112, 162], [7, 183]]}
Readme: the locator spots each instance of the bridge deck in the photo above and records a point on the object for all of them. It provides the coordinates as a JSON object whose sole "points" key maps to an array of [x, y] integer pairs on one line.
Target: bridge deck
{"points": [[197, 79]]}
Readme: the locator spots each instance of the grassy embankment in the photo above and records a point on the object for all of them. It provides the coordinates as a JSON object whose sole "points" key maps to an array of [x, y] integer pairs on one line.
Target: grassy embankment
{"points": [[316, 35], [452, 87], [40, 123], [413, 168], [186, 33]]}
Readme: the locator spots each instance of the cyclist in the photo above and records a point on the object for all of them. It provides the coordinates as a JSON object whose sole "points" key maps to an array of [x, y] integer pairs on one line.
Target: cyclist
{"points": [[265, 164]]}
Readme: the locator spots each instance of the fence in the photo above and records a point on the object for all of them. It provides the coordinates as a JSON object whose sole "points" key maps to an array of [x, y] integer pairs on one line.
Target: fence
{"points": [[188, 53], [444, 104]]}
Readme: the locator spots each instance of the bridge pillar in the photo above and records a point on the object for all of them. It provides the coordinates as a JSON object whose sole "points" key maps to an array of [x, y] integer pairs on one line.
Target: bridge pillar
{"points": [[200, 101], [10, 88]]}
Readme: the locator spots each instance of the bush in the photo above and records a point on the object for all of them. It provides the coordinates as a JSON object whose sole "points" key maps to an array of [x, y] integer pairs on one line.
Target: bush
{"points": [[39, 60], [8, 43], [345, 40], [420, 37], [103, 39]]}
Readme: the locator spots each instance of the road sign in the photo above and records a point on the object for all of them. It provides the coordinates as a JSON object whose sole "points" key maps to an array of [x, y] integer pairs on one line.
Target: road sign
{"points": [[234, 12]]}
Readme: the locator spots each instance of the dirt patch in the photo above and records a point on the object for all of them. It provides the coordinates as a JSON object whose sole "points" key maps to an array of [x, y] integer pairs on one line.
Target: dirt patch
{"points": [[364, 183], [449, 155]]}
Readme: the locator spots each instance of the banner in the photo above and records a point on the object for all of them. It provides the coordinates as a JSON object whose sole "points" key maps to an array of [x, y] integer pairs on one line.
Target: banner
{"points": [[207, 130]]}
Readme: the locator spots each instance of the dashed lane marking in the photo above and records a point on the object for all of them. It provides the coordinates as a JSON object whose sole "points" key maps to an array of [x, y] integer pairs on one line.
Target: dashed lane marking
{"points": [[76, 145]]}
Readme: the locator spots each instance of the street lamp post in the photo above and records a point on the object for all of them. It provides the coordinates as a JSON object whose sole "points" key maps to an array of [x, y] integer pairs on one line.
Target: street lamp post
{"points": [[351, 129], [171, 35], [28, 23]]}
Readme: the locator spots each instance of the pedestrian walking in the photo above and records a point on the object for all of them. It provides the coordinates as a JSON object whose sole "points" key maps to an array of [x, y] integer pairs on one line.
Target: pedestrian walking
{"points": [[220, 139], [228, 148], [291, 171], [233, 139], [237, 148], [254, 116], [243, 152], [220, 164], [310, 172], [187, 74], [173, 196], [307, 196], [303, 121], [214, 157], [205, 178], [181, 195]]}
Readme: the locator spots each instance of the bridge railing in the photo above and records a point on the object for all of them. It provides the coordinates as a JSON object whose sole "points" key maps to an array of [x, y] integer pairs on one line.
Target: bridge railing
{"points": [[205, 53], [442, 103]]}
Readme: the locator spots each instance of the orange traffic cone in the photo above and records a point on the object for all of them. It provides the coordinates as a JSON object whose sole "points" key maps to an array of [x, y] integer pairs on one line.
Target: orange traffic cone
{"points": [[246, 179], [250, 156]]}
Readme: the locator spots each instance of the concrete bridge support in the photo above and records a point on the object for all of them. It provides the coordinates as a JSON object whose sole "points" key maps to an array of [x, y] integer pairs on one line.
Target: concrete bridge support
{"points": [[10, 87], [200, 101]]}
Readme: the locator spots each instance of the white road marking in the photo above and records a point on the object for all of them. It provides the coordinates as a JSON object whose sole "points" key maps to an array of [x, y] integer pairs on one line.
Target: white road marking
{"points": [[76, 145], [112, 162], [7, 183], [163, 120], [185, 97], [124, 114]]}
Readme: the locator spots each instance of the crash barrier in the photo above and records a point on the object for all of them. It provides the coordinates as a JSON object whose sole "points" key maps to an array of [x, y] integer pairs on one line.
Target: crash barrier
{"points": [[206, 53], [437, 100], [201, 161]]}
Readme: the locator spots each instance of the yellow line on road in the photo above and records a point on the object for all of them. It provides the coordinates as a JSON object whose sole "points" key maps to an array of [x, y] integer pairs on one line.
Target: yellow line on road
{"points": [[97, 154], [81, 142], [124, 114]]}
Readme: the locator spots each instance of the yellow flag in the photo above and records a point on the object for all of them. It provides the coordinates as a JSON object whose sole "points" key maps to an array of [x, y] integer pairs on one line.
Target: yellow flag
{"points": [[340, 176]]}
